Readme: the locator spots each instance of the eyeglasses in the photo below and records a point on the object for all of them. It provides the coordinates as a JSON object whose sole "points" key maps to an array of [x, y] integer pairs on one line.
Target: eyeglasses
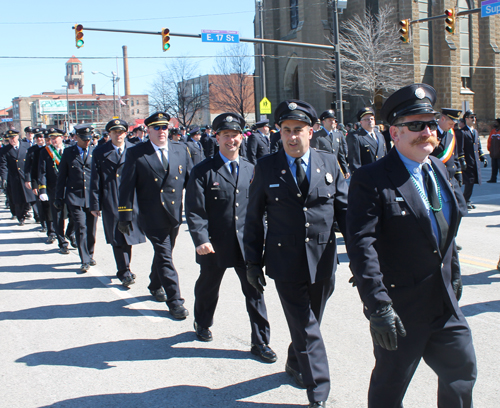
{"points": [[164, 127], [418, 126]]}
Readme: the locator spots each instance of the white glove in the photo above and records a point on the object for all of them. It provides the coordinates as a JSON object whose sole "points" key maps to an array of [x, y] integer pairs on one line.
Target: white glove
{"points": [[44, 197]]}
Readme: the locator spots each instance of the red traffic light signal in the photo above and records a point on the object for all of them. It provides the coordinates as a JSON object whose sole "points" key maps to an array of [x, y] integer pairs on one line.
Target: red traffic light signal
{"points": [[450, 20], [79, 35], [405, 30], [165, 35]]}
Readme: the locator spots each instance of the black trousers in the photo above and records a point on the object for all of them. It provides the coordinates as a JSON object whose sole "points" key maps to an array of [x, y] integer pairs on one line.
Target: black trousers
{"points": [[468, 187], [304, 304], [123, 255], [445, 344], [495, 166], [85, 230], [163, 272], [206, 293]]}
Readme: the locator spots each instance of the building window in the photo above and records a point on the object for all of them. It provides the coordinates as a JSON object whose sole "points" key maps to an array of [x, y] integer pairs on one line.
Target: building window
{"points": [[137, 102], [131, 102], [294, 14], [424, 11], [465, 48]]}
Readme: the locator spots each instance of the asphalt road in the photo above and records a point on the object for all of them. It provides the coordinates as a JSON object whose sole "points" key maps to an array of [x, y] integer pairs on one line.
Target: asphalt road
{"points": [[72, 340]]}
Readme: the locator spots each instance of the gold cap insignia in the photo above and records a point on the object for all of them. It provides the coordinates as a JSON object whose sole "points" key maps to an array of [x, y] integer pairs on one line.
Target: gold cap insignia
{"points": [[117, 122]]}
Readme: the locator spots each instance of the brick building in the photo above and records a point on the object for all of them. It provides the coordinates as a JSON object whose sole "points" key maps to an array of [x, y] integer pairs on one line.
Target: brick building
{"points": [[464, 67]]}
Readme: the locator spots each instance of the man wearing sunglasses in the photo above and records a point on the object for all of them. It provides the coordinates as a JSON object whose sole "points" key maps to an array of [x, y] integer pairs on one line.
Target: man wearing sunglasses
{"points": [[157, 171], [468, 139], [401, 224]]}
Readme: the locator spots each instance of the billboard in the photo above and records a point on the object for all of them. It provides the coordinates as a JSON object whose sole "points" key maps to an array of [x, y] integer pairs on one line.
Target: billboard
{"points": [[53, 106]]}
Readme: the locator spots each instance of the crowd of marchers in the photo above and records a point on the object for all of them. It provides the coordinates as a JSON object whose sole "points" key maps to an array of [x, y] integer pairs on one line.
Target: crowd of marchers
{"points": [[270, 202]]}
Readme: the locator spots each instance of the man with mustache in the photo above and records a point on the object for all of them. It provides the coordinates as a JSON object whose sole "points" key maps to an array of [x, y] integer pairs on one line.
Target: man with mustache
{"points": [[401, 224]]}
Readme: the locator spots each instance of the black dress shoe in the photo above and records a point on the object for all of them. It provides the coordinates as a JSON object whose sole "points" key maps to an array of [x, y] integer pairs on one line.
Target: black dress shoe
{"points": [[203, 333], [21, 222], [266, 354], [470, 206], [127, 281], [459, 247], [317, 404], [43, 229], [159, 294], [179, 312], [64, 251], [92, 262], [297, 376], [51, 239], [491, 181]]}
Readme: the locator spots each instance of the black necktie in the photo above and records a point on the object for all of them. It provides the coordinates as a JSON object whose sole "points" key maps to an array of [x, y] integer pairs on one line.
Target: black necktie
{"points": [[301, 177], [435, 204], [120, 151], [164, 160], [84, 155], [234, 170]]}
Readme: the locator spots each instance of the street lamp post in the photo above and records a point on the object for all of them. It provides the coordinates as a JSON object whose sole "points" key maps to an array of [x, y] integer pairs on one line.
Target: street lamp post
{"points": [[114, 79]]}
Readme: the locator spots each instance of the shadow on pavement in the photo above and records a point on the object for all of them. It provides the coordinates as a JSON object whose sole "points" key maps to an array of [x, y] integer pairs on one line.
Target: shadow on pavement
{"points": [[184, 396], [81, 282], [59, 267], [478, 308], [101, 355], [482, 278], [474, 214]]}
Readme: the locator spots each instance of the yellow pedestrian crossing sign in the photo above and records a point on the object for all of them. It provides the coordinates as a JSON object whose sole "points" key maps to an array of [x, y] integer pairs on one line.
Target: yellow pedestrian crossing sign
{"points": [[265, 107]]}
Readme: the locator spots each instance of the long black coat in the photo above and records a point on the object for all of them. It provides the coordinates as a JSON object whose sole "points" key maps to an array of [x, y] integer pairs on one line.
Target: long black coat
{"points": [[159, 192], [48, 172], [216, 208], [257, 146], [393, 252], [363, 149], [471, 145], [337, 146], [105, 180], [73, 181], [300, 241], [31, 164], [196, 152], [12, 162]]}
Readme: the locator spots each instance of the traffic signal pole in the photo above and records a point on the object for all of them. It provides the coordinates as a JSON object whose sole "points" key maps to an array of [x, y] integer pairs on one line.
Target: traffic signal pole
{"points": [[460, 13]]}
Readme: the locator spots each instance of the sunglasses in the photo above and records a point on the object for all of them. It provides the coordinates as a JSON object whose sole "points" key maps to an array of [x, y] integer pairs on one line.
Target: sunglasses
{"points": [[418, 126], [164, 127]]}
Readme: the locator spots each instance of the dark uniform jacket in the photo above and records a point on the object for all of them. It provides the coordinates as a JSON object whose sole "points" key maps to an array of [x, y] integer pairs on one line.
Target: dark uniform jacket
{"points": [[196, 152], [300, 242], [394, 254], [363, 149], [107, 170], [336, 145], [216, 208], [257, 147], [209, 144], [48, 171], [73, 181], [12, 163], [159, 192], [469, 142], [31, 164], [275, 142]]}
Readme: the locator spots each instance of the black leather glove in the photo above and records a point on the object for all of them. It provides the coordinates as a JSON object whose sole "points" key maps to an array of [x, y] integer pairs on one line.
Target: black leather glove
{"points": [[459, 178], [463, 165], [255, 276], [125, 227], [385, 325], [58, 204], [352, 281], [456, 283], [485, 163]]}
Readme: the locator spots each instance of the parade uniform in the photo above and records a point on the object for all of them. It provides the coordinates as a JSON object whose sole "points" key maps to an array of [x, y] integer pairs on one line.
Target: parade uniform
{"points": [[195, 150], [333, 142], [258, 145], [12, 163], [216, 205], [107, 170], [404, 264], [300, 245], [159, 199], [73, 188]]}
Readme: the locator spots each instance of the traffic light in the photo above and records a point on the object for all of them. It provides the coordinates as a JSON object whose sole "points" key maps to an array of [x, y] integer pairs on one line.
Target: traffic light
{"points": [[165, 38], [79, 35], [405, 30], [450, 20]]}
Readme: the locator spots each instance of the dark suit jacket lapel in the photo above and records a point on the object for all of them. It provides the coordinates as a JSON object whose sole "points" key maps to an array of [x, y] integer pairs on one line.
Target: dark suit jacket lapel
{"points": [[153, 161], [368, 139], [282, 170], [245, 172], [400, 177], [110, 153], [222, 170], [317, 169]]}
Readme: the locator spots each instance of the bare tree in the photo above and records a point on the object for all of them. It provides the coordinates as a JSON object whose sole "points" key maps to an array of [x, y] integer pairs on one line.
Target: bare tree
{"points": [[233, 87], [371, 57], [176, 92]]}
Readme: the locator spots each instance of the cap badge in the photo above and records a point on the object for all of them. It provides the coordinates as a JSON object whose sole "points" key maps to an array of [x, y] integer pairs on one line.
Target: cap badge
{"points": [[87, 130], [52, 130], [229, 119], [160, 115], [329, 178], [420, 93], [117, 122], [292, 106]]}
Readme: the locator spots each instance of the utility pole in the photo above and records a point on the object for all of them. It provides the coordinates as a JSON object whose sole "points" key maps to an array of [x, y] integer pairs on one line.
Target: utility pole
{"points": [[338, 80]]}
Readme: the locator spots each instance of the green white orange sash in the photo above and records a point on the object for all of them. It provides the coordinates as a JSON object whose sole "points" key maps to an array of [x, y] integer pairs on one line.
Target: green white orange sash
{"points": [[448, 151], [54, 154]]}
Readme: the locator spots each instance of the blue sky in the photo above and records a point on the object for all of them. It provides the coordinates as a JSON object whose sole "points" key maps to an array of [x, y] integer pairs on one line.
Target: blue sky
{"points": [[43, 29]]}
